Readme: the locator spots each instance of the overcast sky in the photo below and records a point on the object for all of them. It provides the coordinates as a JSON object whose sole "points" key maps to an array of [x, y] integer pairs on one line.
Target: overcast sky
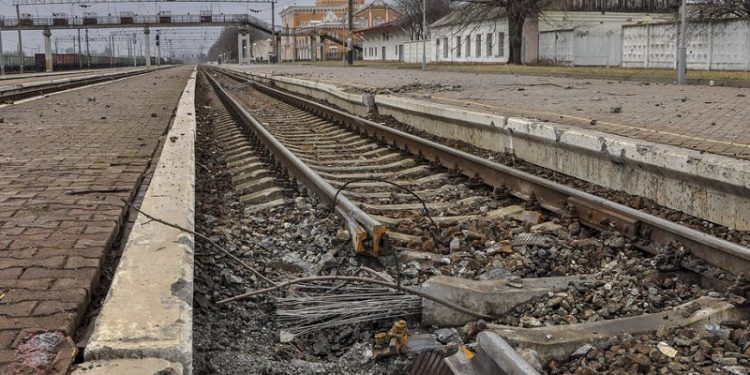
{"points": [[33, 43]]}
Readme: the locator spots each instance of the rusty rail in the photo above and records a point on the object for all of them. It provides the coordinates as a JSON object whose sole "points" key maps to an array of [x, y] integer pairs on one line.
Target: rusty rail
{"points": [[592, 210], [365, 231]]}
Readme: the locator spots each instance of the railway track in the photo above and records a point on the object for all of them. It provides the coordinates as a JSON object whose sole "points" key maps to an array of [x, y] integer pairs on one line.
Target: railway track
{"points": [[380, 181], [12, 93]]}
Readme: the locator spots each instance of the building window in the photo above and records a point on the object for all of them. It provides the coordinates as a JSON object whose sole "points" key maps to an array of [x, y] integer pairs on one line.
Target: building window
{"points": [[445, 48], [489, 45], [458, 46], [501, 44], [395, 50], [479, 45], [468, 46]]}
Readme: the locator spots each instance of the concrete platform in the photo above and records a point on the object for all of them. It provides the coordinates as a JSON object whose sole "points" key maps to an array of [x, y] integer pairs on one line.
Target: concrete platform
{"points": [[148, 311], [703, 118], [713, 187], [28, 80], [66, 163]]}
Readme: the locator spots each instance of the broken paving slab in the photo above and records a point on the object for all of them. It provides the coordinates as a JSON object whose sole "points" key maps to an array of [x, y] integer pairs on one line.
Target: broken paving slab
{"points": [[142, 366], [558, 342], [489, 297]]}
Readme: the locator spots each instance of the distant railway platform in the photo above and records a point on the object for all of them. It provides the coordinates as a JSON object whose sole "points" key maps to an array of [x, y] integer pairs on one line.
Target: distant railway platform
{"points": [[698, 117]]}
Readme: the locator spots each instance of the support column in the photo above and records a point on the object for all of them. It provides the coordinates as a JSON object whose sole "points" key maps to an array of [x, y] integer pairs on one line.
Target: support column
{"points": [[158, 50], [147, 46], [323, 50], [2, 58], [88, 55], [313, 47], [47, 50], [135, 52], [20, 41]]}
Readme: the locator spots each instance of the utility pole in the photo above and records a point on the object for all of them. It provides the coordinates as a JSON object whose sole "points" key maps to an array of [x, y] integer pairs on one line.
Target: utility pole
{"points": [[20, 42], [158, 49], [682, 46], [88, 55], [80, 55], [424, 34], [274, 44], [112, 50], [350, 35], [2, 58]]}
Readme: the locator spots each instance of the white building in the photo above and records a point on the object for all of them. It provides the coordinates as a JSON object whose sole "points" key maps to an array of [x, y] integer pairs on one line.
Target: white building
{"points": [[555, 37], [482, 41], [383, 42]]}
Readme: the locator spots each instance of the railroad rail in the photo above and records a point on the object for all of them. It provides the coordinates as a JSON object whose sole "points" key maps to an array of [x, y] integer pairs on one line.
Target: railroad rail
{"points": [[10, 94], [591, 210], [506, 244], [364, 230]]}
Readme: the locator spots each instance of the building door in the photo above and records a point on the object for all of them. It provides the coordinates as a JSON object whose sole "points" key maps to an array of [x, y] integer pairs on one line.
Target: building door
{"points": [[383, 49], [401, 52]]}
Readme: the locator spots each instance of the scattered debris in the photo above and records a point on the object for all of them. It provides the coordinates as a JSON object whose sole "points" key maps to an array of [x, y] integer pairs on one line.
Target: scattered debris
{"points": [[391, 342]]}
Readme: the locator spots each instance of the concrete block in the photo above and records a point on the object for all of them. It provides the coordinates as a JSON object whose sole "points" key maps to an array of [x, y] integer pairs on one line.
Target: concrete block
{"points": [[148, 311], [495, 356], [491, 297], [558, 342], [143, 366]]}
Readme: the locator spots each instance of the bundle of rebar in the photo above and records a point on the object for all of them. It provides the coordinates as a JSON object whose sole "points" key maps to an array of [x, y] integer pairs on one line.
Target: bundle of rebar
{"points": [[325, 305]]}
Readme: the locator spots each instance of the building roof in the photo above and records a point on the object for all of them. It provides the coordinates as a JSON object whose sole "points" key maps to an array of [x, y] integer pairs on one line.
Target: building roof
{"points": [[470, 13], [376, 4], [382, 27]]}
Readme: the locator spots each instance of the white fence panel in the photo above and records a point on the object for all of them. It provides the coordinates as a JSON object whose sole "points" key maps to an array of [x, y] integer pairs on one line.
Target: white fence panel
{"points": [[413, 51], [556, 47], [597, 47], [723, 45]]}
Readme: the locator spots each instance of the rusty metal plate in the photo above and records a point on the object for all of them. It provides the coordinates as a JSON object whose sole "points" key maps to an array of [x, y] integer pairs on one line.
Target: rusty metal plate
{"points": [[603, 218]]}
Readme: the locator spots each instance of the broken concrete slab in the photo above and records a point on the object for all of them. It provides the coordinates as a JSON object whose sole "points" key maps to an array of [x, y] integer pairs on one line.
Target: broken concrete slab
{"points": [[143, 366], [493, 356], [546, 227], [490, 297], [558, 342]]}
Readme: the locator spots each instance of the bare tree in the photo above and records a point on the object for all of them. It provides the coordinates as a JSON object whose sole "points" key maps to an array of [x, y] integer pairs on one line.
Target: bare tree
{"points": [[711, 10], [411, 14], [516, 11]]}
